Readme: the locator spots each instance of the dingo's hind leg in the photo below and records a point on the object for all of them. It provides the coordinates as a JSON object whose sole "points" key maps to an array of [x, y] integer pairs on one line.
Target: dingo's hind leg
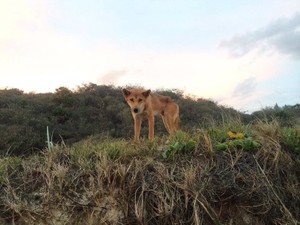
{"points": [[171, 117], [177, 122], [165, 121]]}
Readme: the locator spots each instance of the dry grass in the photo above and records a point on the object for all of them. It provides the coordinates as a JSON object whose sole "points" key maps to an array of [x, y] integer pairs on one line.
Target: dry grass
{"points": [[115, 182]]}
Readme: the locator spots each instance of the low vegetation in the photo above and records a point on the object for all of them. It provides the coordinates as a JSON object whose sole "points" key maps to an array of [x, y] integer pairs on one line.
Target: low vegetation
{"points": [[226, 173], [67, 158], [73, 115]]}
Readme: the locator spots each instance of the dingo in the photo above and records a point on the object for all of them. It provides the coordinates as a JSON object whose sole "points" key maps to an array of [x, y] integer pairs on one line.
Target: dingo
{"points": [[145, 104]]}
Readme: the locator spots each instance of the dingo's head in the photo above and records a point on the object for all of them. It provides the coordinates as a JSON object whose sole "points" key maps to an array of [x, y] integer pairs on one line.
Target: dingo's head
{"points": [[136, 99]]}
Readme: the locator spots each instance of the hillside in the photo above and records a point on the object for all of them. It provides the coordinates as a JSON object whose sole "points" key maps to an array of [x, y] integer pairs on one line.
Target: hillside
{"points": [[73, 115], [233, 173], [89, 110]]}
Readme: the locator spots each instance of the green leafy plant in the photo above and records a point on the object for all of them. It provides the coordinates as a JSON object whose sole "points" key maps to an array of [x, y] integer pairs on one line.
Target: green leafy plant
{"points": [[238, 140], [179, 143]]}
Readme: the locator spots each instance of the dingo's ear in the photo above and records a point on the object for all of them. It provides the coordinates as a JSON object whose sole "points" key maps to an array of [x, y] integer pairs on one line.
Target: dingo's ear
{"points": [[126, 92], [146, 93]]}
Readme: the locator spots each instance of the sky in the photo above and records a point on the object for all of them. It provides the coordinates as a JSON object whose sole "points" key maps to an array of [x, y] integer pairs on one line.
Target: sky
{"points": [[241, 54]]}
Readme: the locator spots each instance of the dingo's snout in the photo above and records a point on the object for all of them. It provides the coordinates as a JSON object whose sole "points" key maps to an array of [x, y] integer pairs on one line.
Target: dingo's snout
{"points": [[135, 109]]}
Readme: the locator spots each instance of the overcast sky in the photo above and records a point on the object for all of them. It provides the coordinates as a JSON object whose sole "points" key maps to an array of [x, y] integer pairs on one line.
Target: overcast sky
{"points": [[244, 54]]}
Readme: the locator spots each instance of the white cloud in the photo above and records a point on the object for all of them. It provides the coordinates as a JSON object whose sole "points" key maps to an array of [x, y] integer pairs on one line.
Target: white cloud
{"points": [[245, 88], [281, 35], [111, 77]]}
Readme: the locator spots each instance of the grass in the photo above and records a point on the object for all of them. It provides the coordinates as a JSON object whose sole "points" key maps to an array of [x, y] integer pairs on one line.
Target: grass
{"points": [[182, 179]]}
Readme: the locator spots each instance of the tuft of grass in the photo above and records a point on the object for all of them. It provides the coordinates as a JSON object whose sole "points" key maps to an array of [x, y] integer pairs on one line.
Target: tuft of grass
{"points": [[8, 165], [267, 133], [267, 129], [290, 138]]}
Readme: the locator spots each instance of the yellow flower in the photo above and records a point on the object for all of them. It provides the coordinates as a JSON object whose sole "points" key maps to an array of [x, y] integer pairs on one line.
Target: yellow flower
{"points": [[235, 135]]}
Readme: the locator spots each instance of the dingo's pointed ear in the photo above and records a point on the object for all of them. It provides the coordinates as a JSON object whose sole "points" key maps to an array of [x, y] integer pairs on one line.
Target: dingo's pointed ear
{"points": [[146, 93], [126, 92]]}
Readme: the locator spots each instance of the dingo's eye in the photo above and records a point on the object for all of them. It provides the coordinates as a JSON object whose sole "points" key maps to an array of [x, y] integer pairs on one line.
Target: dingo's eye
{"points": [[140, 100], [131, 99]]}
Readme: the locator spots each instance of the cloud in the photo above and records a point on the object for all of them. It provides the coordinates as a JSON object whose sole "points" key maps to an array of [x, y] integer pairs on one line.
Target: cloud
{"points": [[112, 77], [282, 35], [245, 88]]}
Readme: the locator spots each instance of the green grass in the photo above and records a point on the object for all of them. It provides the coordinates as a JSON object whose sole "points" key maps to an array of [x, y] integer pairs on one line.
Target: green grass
{"points": [[202, 176]]}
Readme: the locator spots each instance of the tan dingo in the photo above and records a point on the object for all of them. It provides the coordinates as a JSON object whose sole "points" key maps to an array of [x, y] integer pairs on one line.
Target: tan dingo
{"points": [[145, 104]]}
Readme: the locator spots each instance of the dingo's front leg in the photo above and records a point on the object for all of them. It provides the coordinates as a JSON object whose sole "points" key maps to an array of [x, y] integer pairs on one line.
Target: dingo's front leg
{"points": [[151, 126], [137, 128]]}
